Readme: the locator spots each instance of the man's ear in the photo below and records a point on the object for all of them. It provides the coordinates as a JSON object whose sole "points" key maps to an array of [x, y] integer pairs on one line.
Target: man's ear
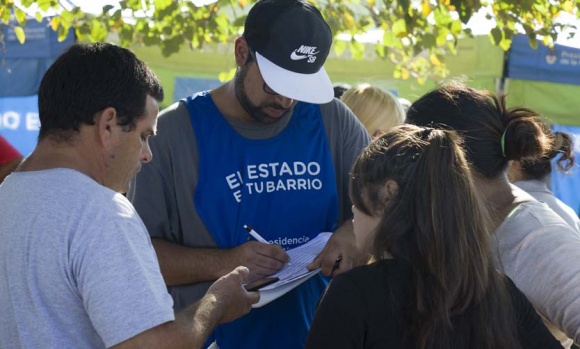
{"points": [[106, 121], [241, 51]]}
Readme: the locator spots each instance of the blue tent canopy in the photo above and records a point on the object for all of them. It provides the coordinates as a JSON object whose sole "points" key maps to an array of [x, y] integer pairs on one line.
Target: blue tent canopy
{"points": [[561, 64], [21, 69], [23, 65], [548, 81]]}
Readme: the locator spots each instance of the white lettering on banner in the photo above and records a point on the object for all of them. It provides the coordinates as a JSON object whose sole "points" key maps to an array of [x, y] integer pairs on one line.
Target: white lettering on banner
{"points": [[565, 58], [264, 178], [32, 122], [570, 54], [10, 120]]}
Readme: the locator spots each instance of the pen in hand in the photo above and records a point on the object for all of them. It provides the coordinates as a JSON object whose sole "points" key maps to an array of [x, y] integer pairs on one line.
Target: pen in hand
{"points": [[255, 235]]}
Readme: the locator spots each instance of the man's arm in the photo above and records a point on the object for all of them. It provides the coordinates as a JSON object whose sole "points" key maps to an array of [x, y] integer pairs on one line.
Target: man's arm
{"points": [[176, 261], [226, 300]]}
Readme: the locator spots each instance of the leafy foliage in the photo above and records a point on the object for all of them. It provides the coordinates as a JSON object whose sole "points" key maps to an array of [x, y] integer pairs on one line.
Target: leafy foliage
{"points": [[417, 33]]}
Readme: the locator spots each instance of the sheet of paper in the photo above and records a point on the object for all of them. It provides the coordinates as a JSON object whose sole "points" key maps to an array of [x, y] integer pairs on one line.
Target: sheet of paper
{"points": [[267, 296], [300, 257]]}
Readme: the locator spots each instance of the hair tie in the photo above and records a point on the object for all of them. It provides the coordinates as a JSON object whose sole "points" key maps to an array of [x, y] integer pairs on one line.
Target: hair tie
{"points": [[502, 142]]}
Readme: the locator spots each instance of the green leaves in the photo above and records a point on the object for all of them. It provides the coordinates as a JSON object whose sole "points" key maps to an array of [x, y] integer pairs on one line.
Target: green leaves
{"points": [[417, 35], [20, 34], [20, 16], [44, 5]]}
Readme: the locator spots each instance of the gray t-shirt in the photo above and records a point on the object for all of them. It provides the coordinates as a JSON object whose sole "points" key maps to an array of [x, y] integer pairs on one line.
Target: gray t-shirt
{"points": [[163, 191], [541, 254], [77, 269], [540, 191]]}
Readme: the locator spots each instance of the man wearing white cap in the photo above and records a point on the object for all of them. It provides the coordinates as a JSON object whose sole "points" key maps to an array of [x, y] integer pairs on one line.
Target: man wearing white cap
{"points": [[271, 148]]}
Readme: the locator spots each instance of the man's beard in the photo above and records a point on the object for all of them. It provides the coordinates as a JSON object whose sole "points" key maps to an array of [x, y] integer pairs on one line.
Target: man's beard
{"points": [[256, 112]]}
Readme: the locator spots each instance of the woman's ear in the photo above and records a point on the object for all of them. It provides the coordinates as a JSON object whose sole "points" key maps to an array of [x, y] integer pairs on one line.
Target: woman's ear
{"points": [[388, 191]]}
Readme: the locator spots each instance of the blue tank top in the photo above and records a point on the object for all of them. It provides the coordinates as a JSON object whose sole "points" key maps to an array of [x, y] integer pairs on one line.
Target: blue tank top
{"points": [[285, 188]]}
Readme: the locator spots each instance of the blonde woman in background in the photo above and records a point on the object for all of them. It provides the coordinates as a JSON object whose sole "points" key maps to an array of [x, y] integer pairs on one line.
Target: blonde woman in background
{"points": [[376, 108]]}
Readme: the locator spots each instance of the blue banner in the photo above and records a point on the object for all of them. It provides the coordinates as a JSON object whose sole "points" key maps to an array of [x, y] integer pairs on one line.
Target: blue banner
{"points": [[19, 122], [185, 86], [560, 64], [23, 65], [566, 186]]}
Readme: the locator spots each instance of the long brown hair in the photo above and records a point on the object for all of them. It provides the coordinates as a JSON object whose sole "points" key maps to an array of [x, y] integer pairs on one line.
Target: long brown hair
{"points": [[437, 224]]}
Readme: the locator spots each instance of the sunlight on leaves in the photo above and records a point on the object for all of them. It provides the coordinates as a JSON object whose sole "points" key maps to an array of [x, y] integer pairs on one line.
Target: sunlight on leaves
{"points": [[20, 34], [417, 35]]}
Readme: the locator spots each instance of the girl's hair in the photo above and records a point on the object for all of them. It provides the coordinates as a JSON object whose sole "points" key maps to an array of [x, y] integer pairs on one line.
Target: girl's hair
{"points": [[437, 224], [377, 109], [541, 167], [492, 133]]}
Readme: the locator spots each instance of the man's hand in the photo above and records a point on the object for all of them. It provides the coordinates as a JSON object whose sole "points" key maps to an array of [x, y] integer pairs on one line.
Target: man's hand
{"points": [[224, 301], [261, 259], [341, 244], [231, 299]]}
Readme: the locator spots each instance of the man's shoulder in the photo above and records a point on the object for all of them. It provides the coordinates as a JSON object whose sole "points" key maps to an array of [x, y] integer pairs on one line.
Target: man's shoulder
{"points": [[337, 113], [339, 120], [173, 117], [334, 107], [180, 105]]}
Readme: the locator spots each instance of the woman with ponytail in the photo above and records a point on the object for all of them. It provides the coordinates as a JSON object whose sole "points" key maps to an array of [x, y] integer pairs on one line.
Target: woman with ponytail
{"points": [[532, 244], [430, 282], [533, 176]]}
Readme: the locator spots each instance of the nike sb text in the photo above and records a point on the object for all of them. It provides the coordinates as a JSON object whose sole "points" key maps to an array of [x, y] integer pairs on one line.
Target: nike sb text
{"points": [[304, 52]]}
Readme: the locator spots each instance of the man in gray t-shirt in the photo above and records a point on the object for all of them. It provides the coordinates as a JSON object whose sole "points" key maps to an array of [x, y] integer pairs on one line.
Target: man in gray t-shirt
{"points": [[77, 268]]}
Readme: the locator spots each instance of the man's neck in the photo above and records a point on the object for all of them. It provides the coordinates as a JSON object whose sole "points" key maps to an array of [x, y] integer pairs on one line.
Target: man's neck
{"points": [[49, 154], [224, 97]]}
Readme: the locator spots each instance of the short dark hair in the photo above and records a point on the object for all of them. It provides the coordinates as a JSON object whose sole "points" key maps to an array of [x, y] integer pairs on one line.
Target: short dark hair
{"points": [[88, 78]]}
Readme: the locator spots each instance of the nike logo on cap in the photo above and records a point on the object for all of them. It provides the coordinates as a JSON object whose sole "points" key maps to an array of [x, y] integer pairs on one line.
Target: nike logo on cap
{"points": [[304, 52], [295, 57]]}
